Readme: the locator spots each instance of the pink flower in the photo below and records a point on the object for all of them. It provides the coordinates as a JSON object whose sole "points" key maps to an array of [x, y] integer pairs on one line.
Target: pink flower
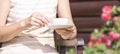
{"points": [[106, 13], [104, 38], [106, 17], [108, 43], [107, 9], [114, 36], [115, 19], [98, 41], [93, 38], [90, 43]]}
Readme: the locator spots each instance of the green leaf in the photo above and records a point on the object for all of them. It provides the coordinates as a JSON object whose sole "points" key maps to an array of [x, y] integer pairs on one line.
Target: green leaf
{"points": [[114, 9], [109, 23], [109, 52], [118, 9], [117, 45], [71, 51], [101, 47]]}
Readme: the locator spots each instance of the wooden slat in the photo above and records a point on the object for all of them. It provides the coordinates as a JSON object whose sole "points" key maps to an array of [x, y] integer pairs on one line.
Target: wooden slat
{"points": [[89, 8], [85, 36], [85, 24], [86, 15], [61, 42], [89, 0]]}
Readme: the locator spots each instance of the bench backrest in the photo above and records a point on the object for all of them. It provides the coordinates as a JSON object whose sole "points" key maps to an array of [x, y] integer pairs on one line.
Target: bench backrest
{"points": [[86, 15]]}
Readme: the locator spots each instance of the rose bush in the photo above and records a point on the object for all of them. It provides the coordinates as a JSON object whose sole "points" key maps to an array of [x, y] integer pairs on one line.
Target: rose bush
{"points": [[107, 39]]}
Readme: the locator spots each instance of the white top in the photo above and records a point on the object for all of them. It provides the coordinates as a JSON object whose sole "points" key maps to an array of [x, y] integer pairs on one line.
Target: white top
{"points": [[24, 8]]}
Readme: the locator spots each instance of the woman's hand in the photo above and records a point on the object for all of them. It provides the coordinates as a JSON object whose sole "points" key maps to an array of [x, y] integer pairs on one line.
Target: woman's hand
{"points": [[67, 33], [36, 19]]}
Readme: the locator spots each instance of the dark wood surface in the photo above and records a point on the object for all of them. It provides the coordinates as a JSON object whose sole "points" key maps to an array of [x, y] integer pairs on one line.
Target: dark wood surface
{"points": [[87, 16], [89, 9], [90, 0]]}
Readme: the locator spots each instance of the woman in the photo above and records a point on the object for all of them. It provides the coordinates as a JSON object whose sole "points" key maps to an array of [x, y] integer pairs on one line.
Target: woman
{"points": [[20, 18]]}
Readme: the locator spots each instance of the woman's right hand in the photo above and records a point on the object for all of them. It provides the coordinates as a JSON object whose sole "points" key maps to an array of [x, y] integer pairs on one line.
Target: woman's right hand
{"points": [[36, 19]]}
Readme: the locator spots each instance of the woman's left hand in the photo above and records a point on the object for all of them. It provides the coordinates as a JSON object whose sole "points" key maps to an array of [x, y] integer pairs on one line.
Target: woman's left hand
{"points": [[67, 33]]}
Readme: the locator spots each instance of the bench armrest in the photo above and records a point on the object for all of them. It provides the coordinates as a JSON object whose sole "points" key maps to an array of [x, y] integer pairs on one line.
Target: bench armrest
{"points": [[70, 42], [65, 46]]}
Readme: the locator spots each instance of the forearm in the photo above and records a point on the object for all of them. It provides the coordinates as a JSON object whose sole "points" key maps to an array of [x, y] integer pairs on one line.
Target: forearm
{"points": [[64, 12], [8, 32], [12, 30]]}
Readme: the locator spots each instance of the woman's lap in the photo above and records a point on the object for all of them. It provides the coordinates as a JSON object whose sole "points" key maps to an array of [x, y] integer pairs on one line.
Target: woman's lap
{"points": [[28, 45]]}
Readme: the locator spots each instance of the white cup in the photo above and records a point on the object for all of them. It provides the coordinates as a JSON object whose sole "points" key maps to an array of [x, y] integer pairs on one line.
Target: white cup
{"points": [[59, 21]]}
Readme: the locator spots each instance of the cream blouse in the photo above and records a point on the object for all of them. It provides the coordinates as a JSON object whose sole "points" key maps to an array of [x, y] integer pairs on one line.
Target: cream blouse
{"points": [[24, 8]]}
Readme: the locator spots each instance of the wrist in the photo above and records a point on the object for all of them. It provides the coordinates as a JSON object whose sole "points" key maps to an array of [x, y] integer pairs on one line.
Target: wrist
{"points": [[24, 23]]}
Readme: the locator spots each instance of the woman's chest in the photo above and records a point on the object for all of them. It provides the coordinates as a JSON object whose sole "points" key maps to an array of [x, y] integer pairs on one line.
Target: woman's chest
{"points": [[34, 3], [24, 8]]}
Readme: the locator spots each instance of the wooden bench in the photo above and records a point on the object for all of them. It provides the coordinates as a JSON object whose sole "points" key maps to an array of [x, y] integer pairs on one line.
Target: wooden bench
{"points": [[86, 15]]}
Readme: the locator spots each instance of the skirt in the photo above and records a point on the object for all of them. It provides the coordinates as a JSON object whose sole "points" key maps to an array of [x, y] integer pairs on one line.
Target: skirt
{"points": [[29, 45]]}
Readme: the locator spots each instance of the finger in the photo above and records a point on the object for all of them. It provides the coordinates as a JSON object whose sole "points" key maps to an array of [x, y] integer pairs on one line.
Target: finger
{"points": [[70, 28], [35, 24], [60, 29], [43, 19], [38, 21], [46, 18], [65, 29]]}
